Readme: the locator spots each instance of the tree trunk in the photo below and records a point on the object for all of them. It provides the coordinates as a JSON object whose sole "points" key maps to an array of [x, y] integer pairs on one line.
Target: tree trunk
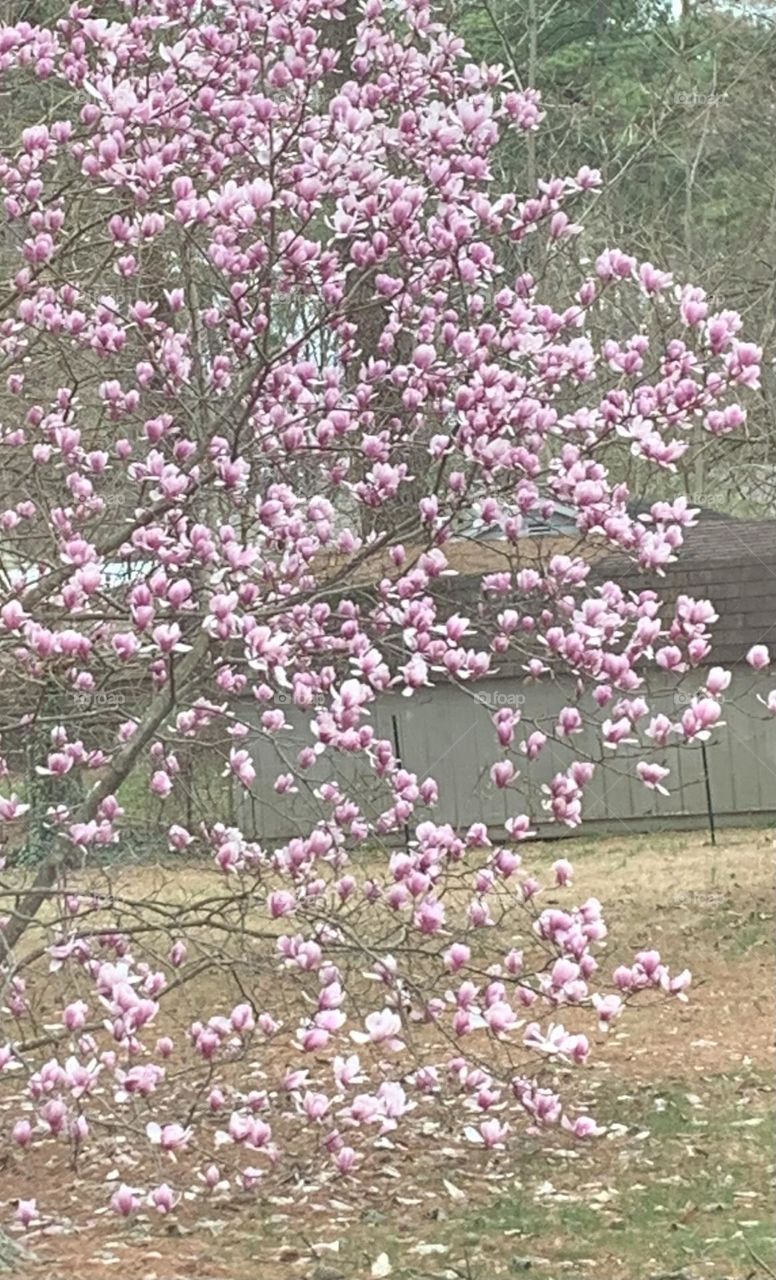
{"points": [[161, 706]]}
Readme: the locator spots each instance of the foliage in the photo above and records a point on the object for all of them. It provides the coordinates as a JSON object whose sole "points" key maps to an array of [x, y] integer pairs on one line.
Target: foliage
{"points": [[678, 114]]}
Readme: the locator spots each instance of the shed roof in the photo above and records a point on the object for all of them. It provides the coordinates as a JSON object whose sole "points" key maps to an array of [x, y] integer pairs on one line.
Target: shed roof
{"points": [[728, 561]]}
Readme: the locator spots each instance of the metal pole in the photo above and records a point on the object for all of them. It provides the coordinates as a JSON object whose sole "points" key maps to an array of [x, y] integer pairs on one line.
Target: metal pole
{"points": [[709, 803], [397, 752]]}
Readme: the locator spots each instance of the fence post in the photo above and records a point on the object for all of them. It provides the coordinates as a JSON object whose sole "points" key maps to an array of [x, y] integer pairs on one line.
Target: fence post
{"points": [[397, 753], [709, 803]]}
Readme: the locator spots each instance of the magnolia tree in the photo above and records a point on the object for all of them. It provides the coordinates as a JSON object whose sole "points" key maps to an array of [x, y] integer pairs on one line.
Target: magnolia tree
{"points": [[269, 335]]}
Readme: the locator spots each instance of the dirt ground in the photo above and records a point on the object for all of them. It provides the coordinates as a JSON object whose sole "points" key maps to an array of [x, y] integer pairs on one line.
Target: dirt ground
{"points": [[678, 1188]]}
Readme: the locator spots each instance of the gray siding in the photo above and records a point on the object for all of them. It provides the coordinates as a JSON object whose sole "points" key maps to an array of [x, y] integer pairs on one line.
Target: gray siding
{"points": [[446, 733]]}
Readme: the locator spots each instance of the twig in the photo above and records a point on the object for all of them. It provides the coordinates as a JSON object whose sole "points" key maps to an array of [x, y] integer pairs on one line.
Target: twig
{"points": [[756, 1258]]}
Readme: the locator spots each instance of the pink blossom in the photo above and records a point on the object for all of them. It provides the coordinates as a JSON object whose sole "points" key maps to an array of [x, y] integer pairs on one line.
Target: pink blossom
{"points": [[457, 956], [311, 1039], [163, 1198], [582, 1127], [26, 1212], [75, 1015], [242, 767], [569, 721], [345, 1160], [281, 903], [125, 1201], [491, 1134], [22, 1133], [652, 775], [758, 657], [564, 872], [170, 1137], [382, 1027], [500, 1017], [242, 1018], [315, 1105], [608, 1008], [717, 681], [347, 1071], [770, 702], [161, 783], [430, 916], [179, 839], [502, 773]]}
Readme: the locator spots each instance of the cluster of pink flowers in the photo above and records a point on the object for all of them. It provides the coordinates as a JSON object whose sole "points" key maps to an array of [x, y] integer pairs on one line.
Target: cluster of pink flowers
{"points": [[263, 355]]}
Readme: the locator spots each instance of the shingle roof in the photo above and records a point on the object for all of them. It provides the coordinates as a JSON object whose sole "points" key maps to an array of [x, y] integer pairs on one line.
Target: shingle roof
{"points": [[730, 562]]}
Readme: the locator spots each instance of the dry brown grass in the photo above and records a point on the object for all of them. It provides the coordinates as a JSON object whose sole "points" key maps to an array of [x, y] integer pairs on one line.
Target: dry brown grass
{"points": [[709, 909]]}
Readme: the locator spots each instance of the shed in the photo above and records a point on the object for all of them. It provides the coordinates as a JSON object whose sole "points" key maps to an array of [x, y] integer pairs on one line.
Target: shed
{"points": [[446, 731]]}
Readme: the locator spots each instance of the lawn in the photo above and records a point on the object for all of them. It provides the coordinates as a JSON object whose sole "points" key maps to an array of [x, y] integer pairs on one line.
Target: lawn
{"points": [[679, 1187]]}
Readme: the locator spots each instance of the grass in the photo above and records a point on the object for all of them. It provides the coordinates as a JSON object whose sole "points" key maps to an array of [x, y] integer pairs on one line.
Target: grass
{"points": [[680, 1187], [684, 1192], [695, 1193], [741, 934]]}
